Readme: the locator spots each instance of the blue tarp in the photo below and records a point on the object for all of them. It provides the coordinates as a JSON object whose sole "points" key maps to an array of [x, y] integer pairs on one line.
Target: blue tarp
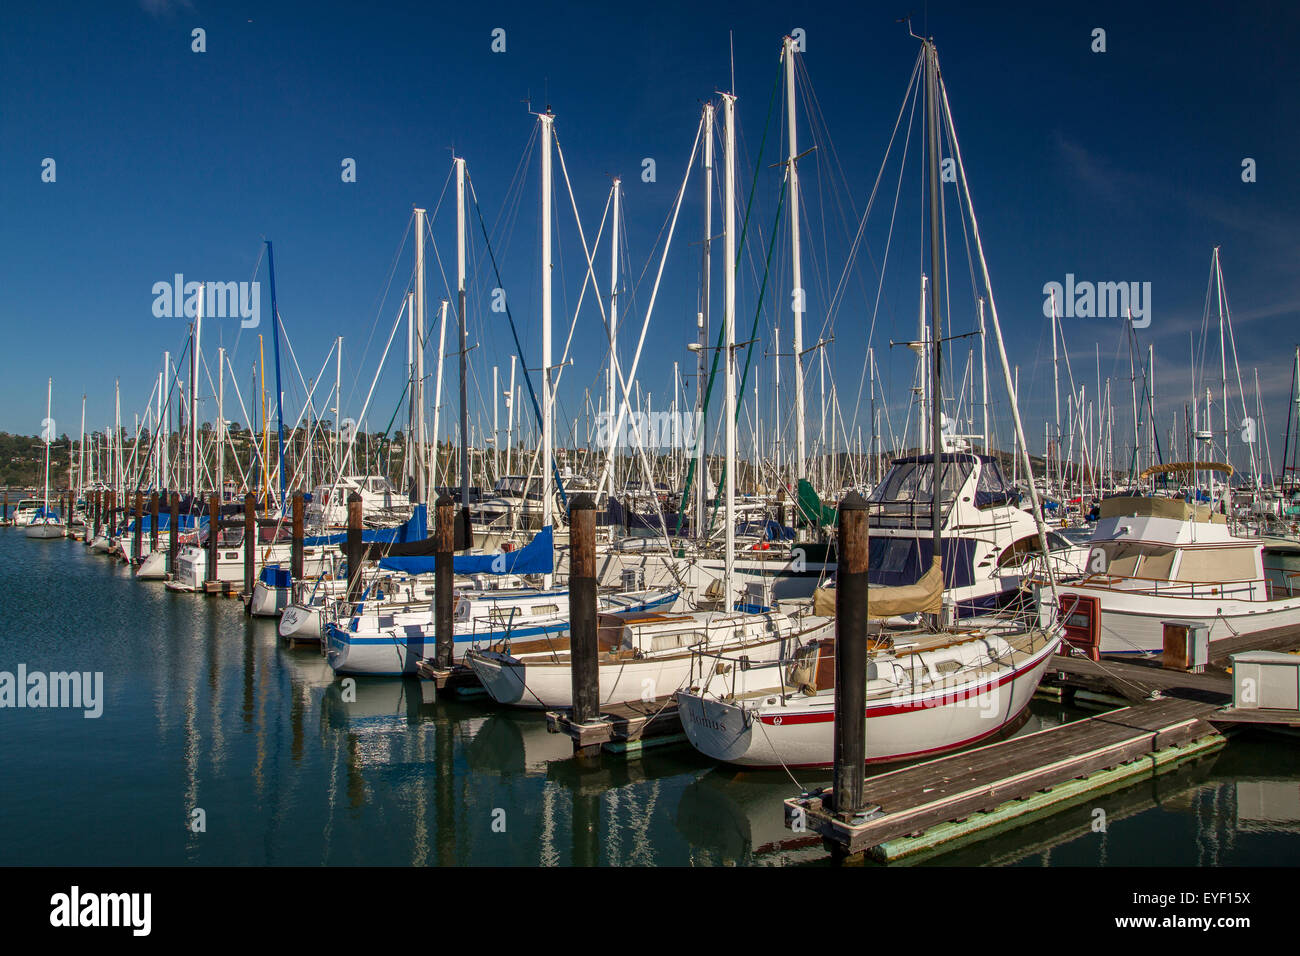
{"points": [[536, 557], [416, 529]]}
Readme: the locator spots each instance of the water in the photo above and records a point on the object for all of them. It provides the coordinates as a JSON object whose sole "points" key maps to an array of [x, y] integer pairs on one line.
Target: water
{"points": [[206, 710]]}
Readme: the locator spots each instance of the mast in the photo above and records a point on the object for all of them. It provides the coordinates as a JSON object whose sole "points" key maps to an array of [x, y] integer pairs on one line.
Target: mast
{"points": [[984, 377], [496, 425], [547, 120], [221, 424], [437, 384], [792, 173], [936, 297], [164, 450], [46, 428], [194, 393], [464, 347], [279, 389], [338, 409], [81, 449], [610, 399], [510, 414], [729, 322], [701, 356]]}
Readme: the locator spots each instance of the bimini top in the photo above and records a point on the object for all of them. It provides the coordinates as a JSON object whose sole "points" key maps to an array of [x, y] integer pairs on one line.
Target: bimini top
{"points": [[1174, 508]]}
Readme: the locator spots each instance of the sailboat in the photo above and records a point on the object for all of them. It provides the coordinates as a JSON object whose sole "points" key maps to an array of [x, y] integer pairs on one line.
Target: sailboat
{"points": [[45, 522], [654, 653], [930, 688]]}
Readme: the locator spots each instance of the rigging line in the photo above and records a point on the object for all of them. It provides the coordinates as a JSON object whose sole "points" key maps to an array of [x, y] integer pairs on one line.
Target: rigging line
{"points": [[913, 93], [713, 369], [527, 375], [645, 326], [374, 324]]}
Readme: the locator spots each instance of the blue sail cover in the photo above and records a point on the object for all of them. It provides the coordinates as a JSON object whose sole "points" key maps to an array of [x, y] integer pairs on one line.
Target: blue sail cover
{"points": [[536, 557], [187, 522], [42, 513], [416, 529]]}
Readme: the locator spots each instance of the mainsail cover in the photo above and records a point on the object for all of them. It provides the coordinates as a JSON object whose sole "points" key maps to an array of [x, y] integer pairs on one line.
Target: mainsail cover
{"points": [[415, 529], [923, 597], [811, 508], [536, 557]]}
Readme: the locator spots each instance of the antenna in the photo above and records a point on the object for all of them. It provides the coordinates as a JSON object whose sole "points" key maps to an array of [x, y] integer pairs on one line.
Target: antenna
{"points": [[731, 40]]}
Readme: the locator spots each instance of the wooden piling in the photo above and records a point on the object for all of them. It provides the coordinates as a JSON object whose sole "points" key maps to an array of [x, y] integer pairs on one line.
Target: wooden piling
{"points": [[585, 668], [443, 563], [153, 514], [250, 544], [173, 544], [98, 498], [354, 547], [214, 532], [137, 533], [295, 563], [850, 747]]}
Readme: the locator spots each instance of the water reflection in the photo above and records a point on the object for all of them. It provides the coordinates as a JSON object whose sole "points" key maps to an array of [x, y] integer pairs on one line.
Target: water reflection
{"points": [[206, 709]]}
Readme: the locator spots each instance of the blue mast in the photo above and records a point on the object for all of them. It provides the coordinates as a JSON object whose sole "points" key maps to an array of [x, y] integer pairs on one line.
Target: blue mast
{"points": [[279, 393]]}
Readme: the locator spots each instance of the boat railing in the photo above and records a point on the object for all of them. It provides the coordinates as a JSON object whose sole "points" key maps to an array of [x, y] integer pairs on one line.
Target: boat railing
{"points": [[1246, 590], [707, 665]]}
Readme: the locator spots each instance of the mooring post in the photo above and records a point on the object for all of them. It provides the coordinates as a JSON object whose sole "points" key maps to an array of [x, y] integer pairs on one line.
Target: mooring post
{"points": [[444, 532], [5, 515], [354, 547], [250, 544], [173, 543], [585, 669], [110, 523], [851, 657], [153, 514], [137, 533], [96, 495], [214, 532], [295, 562]]}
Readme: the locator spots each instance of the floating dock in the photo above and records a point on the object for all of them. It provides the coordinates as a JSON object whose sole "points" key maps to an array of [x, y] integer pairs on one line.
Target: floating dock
{"points": [[938, 801], [623, 728]]}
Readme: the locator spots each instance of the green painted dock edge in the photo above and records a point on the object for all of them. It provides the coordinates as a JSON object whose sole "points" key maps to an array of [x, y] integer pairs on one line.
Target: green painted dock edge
{"points": [[1015, 813]]}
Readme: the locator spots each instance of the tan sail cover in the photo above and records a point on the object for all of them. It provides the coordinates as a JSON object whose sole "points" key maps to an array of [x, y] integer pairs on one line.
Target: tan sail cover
{"points": [[924, 597]]}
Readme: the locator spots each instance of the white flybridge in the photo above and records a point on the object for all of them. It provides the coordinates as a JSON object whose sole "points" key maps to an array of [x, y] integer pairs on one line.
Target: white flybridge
{"points": [[45, 522], [929, 689]]}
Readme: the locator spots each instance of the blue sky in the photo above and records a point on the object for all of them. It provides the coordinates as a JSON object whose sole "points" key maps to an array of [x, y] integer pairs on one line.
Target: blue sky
{"points": [[1115, 166]]}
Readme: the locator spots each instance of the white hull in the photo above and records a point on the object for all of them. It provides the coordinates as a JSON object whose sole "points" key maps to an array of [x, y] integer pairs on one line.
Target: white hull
{"points": [[45, 530], [1132, 622], [800, 733]]}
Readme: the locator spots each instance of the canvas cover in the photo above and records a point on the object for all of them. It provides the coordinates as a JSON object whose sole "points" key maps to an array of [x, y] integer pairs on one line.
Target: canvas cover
{"points": [[923, 597]]}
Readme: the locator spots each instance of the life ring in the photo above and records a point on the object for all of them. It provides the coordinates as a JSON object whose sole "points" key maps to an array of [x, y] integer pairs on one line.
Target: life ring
{"points": [[761, 546]]}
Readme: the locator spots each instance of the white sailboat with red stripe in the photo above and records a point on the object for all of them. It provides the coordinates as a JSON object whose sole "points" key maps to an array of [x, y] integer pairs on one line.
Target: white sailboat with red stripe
{"points": [[926, 693]]}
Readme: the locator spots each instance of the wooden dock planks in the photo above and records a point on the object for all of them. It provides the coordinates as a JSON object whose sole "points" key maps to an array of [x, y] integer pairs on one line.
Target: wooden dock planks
{"points": [[948, 789]]}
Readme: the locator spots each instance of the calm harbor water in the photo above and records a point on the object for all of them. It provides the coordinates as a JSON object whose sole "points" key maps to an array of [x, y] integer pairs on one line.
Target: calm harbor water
{"points": [[204, 709]]}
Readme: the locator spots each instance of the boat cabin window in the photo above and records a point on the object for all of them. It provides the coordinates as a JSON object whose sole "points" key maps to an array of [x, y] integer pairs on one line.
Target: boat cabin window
{"points": [[1212, 565], [546, 609], [991, 489], [1127, 560]]}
